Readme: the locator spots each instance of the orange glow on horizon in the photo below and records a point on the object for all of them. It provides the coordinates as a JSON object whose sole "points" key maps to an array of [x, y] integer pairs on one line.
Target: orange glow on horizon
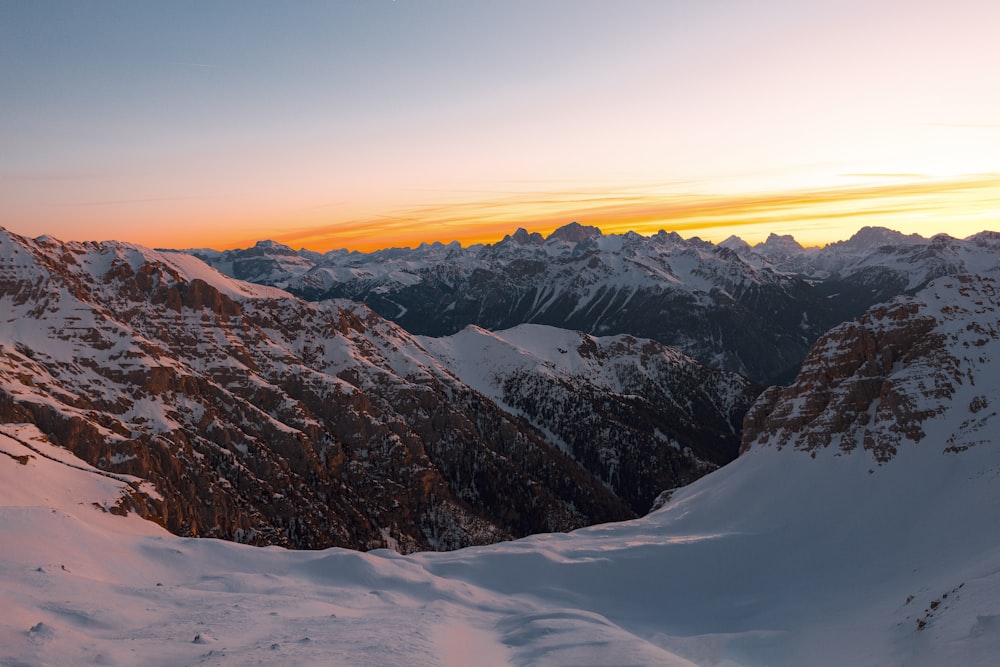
{"points": [[908, 203], [354, 125], [817, 216]]}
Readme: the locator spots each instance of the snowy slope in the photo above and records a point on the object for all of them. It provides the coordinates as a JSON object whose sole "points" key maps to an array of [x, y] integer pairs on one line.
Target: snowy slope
{"points": [[789, 556], [81, 586], [641, 416]]}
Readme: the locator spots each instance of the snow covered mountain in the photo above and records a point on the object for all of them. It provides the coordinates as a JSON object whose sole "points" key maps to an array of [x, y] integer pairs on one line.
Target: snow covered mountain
{"points": [[751, 309], [262, 418], [806, 550], [689, 294], [885, 263], [641, 416]]}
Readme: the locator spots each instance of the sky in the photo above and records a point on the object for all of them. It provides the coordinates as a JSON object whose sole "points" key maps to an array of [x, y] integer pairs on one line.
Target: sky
{"points": [[375, 123]]}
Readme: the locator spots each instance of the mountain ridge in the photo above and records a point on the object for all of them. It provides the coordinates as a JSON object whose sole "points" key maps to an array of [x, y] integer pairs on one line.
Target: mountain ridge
{"points": [[689, 294]]}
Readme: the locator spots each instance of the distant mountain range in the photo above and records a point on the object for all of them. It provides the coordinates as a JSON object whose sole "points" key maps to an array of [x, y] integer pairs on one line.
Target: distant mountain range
{"points": [[750, 309]]}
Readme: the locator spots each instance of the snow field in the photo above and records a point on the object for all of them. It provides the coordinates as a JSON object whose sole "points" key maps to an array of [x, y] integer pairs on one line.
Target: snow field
{"points": [[773, 560]]}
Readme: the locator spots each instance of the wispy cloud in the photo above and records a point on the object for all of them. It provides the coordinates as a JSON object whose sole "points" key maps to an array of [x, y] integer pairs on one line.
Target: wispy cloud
{"points": [[826, 210]]}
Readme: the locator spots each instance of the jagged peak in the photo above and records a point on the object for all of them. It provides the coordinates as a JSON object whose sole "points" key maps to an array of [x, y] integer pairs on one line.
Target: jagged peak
{"points": [[735, 243], [439, 245], [270, 247], [574, 232], [523, 237], [784, 241], [943, 239]]}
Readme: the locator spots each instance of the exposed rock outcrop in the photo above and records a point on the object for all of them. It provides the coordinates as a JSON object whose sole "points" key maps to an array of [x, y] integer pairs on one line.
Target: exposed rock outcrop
{"points": [[265, 419], [873, 382]]}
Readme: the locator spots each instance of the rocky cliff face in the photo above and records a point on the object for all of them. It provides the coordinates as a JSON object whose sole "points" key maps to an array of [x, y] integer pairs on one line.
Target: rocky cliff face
{"points": [[873, 383]]}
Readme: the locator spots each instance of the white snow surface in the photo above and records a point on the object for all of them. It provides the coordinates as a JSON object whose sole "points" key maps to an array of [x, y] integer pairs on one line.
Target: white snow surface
{"points": [[191, 268], [777, 559]]}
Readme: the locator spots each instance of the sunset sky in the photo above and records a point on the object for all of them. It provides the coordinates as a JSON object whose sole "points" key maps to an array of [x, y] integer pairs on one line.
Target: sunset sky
{"points": [[374, 123]]}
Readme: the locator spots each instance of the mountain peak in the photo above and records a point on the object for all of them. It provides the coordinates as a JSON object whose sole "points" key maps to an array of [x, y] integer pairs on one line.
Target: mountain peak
{"points": [[735, 243], [269, 247], [574, 232], [784, 241], [523, 237], [868, 238]]}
